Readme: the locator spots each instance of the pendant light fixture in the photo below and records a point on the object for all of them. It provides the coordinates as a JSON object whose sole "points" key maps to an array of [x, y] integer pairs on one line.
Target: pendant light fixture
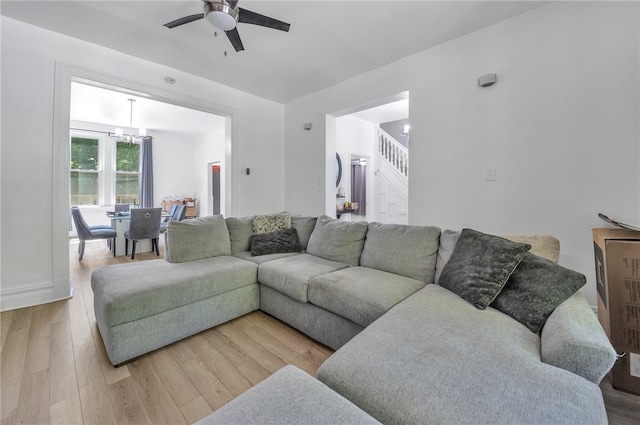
{"points": [[130, 138]]}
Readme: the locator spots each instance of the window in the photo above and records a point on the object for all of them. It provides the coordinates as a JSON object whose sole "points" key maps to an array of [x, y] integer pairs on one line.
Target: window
{"points": [[84, 171], [127, 173], [103, 172]]}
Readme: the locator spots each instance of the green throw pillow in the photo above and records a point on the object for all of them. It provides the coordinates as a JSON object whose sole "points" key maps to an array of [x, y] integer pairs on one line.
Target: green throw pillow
{"points": [[480, 266], [535, 289]]}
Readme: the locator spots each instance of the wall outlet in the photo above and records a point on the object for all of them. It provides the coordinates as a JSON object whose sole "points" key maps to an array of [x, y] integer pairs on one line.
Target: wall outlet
{"points": [[490, 174]]}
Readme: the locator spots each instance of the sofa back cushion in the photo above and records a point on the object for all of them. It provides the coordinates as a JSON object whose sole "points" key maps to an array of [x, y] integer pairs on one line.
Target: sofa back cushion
{"points": [[196, 238], [409, 251], [338, 240], [304, 225], [240, 231]]}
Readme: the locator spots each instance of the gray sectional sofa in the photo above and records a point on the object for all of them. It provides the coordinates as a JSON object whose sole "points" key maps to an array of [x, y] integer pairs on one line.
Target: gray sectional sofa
{"points": [[418, 339]]}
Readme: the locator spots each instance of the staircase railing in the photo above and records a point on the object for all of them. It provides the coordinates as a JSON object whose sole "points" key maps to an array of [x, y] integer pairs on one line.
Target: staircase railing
{"points": [[393, 153]]}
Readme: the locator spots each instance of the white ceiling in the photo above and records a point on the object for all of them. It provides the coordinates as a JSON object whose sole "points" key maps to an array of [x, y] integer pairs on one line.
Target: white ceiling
{"points": [[329, 41], [98, 105], [103, 106]]}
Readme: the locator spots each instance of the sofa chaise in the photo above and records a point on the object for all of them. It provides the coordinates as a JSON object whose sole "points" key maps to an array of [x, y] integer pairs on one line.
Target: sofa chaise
{"points": [[416, 342]]}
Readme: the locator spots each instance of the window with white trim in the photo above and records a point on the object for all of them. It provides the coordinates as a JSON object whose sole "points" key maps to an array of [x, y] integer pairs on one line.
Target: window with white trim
{"points": [[127, 173], [103, 172], [85, 187]]}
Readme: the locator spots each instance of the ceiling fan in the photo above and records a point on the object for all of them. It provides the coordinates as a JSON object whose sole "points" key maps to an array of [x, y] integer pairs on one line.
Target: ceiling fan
{"points": [[224, 15]]}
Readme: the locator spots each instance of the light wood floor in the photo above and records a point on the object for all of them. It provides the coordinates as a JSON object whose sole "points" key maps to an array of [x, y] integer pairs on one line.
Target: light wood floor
{"points": [[54, 369]]}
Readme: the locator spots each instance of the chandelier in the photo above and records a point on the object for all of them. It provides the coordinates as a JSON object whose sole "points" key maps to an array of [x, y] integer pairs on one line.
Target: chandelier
{"points": [[120, 136]]}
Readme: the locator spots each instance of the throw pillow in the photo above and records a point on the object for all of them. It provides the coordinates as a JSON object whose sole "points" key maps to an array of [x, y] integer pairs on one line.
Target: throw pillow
{"points": [[480, 266], [275, 242], [338, 240], [196, 238], [535, 289], [402, 249], [271, 223]]}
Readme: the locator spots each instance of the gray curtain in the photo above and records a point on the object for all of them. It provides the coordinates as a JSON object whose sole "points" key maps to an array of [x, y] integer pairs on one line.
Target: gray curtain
{"points": [[359, 188], [146, 173]]}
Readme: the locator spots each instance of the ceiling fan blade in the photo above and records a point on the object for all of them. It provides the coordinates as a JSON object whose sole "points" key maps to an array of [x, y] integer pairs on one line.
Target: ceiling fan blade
{"points": [[234, 38], [184, 20], [248, 17]]}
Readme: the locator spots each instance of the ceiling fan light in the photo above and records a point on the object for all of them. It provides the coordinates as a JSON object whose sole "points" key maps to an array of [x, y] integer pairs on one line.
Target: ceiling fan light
{"points": [[220, 15]]}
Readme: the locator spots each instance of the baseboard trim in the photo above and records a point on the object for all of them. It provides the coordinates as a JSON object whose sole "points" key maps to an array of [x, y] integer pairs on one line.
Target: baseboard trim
{"points": [[29, 296]]}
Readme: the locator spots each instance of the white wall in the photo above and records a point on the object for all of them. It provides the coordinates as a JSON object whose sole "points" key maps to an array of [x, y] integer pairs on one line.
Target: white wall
{"points": [[173, 171], [560, 126], [34, 264]]}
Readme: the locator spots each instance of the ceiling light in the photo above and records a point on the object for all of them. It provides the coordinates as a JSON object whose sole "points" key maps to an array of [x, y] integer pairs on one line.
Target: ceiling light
{"points": [[220, 15], [130, 138]]}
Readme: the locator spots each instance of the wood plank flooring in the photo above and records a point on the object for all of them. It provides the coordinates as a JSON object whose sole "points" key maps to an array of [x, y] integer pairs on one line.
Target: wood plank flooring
{"points": [[54, 369]]}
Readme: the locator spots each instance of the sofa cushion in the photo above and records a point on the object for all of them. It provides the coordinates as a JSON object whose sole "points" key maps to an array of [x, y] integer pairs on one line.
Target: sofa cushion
{"points": [[448, 240], [289, 396], [480, 266], [545, 246], [196, 238], [135, 290], [535, 289], [338, 240], [271, 223], [275, 242], [573, 339], [434, 358], [291, 275], [409, 251], [360, 294], [240, 231], [304, 225], [259, 259]]}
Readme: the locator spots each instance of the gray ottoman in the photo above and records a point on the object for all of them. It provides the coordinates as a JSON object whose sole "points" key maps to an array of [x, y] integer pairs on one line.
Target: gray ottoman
{"points": [[143, 306], [290, 396]]}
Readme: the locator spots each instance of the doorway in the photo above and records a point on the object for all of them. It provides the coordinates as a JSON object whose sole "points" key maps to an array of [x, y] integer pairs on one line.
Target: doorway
{"points": [[214, 192], [359, 186], [375, 139], [181, 138]]}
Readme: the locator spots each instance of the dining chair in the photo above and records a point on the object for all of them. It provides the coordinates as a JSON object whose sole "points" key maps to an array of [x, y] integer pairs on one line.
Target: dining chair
{"points": [[172, 209], [178, 214], [86, 232], [144, 224]]}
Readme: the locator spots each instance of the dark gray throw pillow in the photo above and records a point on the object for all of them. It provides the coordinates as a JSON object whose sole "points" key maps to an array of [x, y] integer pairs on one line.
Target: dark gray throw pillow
{"points": [[276, 242], [535, 289], [480, 266]]}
